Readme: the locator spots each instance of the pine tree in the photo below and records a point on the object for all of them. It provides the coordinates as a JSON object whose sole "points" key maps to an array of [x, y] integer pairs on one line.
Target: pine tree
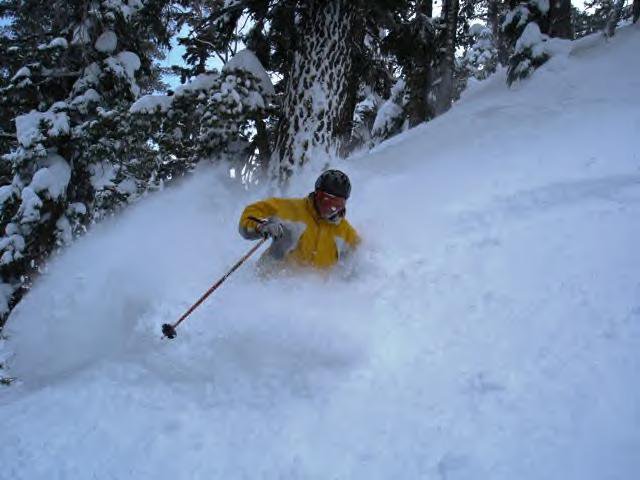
{"points": [[212, 116], [447, 65], [412, 44], [316, 48], [75, 69], [560, 19], [496, 10], [481, 59], [391, 115], [614, 18], [525, 26], [316, 97]]}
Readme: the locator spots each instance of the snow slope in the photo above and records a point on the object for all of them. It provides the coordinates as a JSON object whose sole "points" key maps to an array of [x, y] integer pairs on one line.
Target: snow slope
{"points": [[488, 329]]}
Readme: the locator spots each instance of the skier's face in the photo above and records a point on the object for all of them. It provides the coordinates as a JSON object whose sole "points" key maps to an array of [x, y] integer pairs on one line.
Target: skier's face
{"points": [[329, 205]]}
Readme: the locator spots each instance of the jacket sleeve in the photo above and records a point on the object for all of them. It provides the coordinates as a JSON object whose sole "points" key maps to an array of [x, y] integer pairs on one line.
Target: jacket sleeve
{"points": [[351, 236], [263, 209]]}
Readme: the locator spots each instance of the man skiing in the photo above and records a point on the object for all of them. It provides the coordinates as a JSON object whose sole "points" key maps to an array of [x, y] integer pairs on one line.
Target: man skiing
{"points": [[310, 231]]}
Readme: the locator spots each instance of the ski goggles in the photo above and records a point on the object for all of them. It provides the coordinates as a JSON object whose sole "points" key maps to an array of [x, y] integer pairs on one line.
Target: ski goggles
{"points": [[329, 205]]}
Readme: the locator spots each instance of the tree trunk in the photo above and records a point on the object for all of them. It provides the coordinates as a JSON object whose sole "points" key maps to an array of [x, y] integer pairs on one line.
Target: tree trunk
{"points": [[262, 144], [344, 125], [445, 90], [636, 10], [614, 18], [418, 82], [419, 76], [425, 7], [560, 19], [316, 101], [493, 14]]}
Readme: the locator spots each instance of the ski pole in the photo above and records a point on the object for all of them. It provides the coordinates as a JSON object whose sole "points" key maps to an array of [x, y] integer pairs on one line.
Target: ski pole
{"points": [[169, 330]]}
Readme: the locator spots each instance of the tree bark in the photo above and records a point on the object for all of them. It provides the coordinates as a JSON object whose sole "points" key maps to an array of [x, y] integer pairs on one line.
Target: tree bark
{"points": [[445, 90], [425, 7], [316, 99], [493, 14], [614, 18], [419, 76], [262, 143], [636, 10], [560, 19], [344, 125]]}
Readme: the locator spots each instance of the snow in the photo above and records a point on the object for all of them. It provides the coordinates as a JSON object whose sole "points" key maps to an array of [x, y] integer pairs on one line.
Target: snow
{"points": [[107, 42], [102, 175], [151, 103], [6, 192], [127, 186], [127, 8], [389, 111], [489, 327], [58, 42], [541, 5], [81, 34], [77, 208], [82, 101], [23, 72], [12, 244], [65, 235], [477, 29], [90, 78], [520, 11], [247, 61], [203, 81], [29, 210], [6, 291], [130, 61], [53, 178], [125, 64], [530, 37], [28, 125]]}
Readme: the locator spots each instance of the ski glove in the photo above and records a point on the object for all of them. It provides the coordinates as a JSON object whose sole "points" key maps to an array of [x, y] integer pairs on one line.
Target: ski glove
{"points": [[271, 228]]}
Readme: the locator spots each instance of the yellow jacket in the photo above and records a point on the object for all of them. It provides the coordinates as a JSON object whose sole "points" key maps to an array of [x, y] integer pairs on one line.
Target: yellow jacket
{"points": [[309, 240]]}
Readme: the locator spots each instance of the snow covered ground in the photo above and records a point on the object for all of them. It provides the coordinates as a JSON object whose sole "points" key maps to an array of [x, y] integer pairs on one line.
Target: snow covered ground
{"points": [[489, 328]]}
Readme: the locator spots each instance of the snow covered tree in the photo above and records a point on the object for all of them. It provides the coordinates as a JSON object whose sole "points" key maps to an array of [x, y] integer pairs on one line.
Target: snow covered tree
{"points": [[316, 98], [391, 115], [524, 25], [496, 11], [613, 19], [318, 52], [213, 115], [481, 59], [77, 68], [604, 16], [412, 43]]}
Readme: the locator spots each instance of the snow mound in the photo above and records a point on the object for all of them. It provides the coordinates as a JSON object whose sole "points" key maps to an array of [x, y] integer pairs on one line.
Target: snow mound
{"points": [[107, 42], [247, 61]]}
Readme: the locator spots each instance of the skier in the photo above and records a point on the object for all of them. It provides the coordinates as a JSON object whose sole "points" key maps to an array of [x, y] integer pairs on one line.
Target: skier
{"points": [[309, 231]]}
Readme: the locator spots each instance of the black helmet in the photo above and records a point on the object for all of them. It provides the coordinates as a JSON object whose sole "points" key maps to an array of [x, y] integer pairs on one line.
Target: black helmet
{"points": [[334, 182]]}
